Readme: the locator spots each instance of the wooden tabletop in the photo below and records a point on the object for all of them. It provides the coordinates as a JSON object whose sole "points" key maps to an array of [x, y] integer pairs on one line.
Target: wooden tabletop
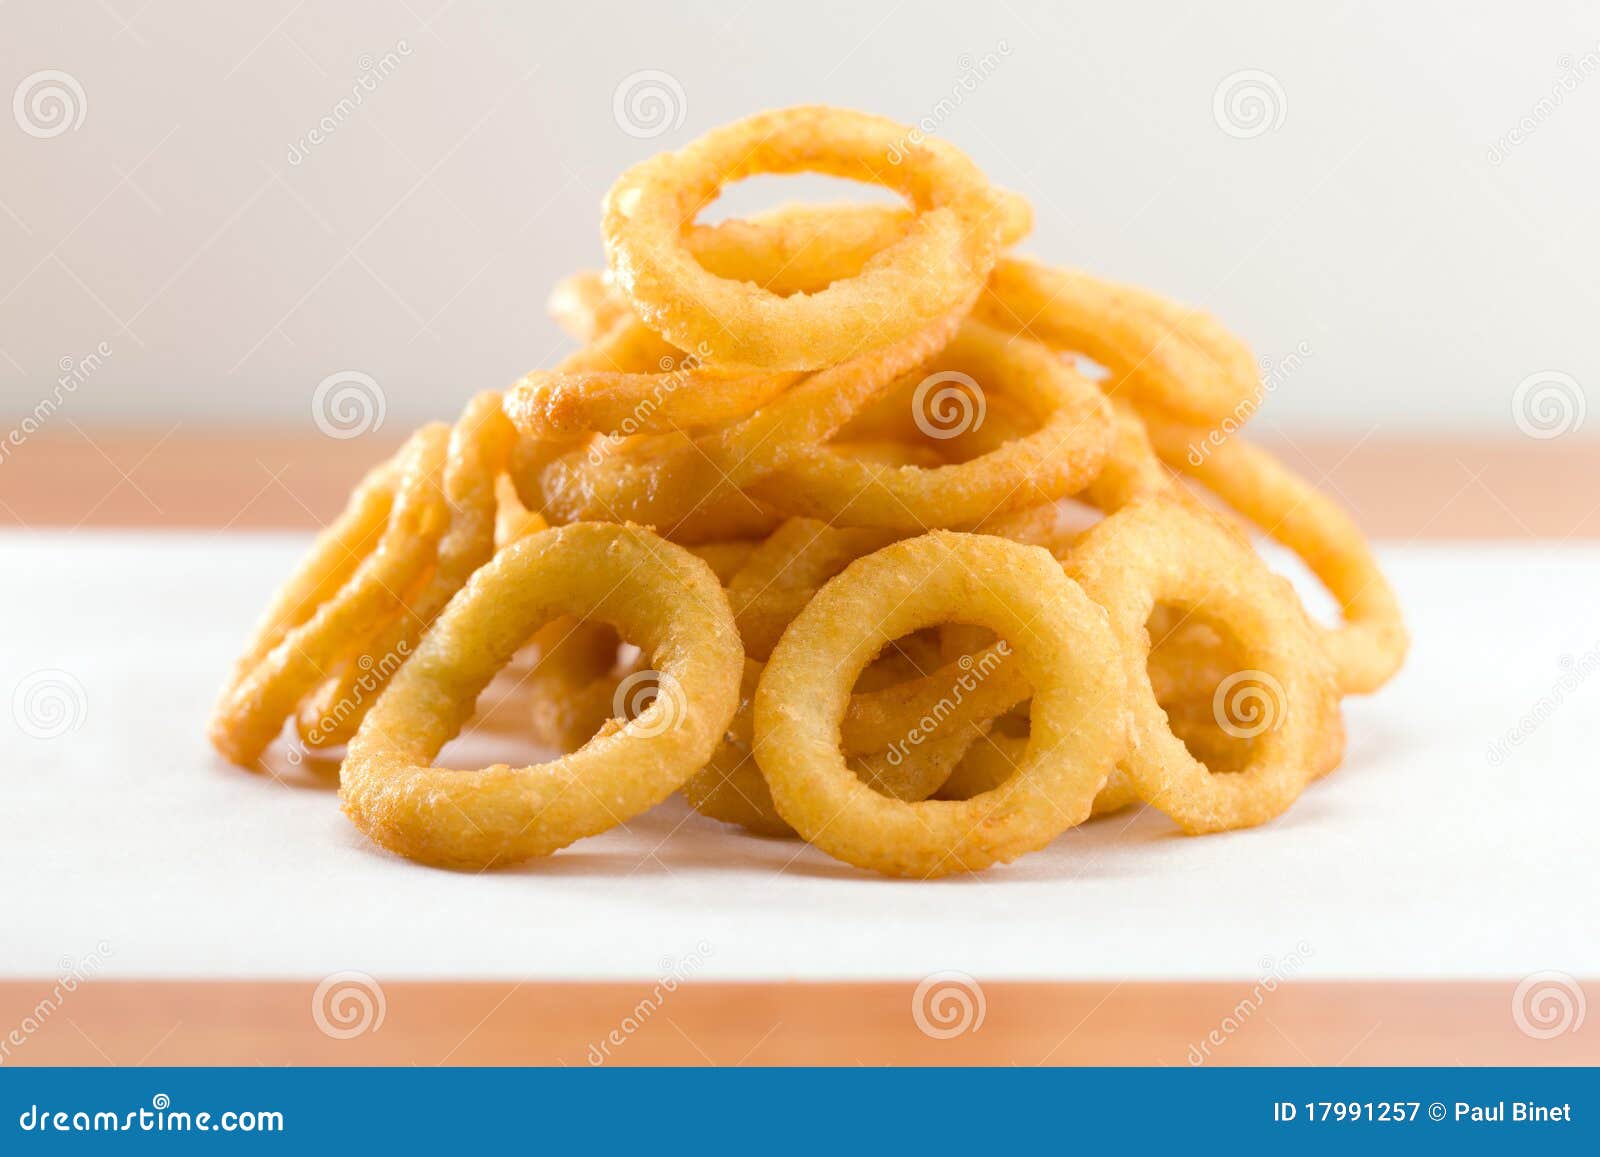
{"points": [[190, 479], [489, 1023], [187, 479]]}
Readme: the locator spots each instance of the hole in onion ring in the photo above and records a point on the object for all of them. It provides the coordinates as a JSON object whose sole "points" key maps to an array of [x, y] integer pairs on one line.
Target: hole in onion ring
{"points": [[1191, 657]]}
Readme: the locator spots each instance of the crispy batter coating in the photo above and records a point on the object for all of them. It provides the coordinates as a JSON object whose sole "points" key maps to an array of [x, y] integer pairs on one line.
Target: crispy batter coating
{"points": [[655, 593], [1062, 644], [1163, 551], [940, 263]]}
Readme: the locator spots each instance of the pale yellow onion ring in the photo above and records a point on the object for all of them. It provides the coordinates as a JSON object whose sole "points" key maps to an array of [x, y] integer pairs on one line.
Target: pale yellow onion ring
{"points": [[555, 404], [941, 261], [1132, 470], [819, 404], [576, 673], [572, 681], [786, 571], [799, 248], [1063, 454], [586, 306], [1061, 644], [806, 248], [991, 761], [338, 550], [512, 519], [1163, 551], [1371, 643], [479, 443], [563, 481], [654, 593], [1162, 355], [730, 788], [253, 706], [673, 481], [1194, 721]]}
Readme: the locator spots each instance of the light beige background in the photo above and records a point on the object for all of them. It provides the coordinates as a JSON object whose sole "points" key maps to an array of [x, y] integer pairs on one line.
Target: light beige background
{"points": [[1382, 215]]}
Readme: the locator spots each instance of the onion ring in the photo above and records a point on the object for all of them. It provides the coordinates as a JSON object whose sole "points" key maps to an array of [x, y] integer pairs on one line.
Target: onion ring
{"points": [[567, 484], [572, 681], [940, 263], [586, 306], [333, 558], [255, 703], [730, 788], [655, 593], [1062, 455], [512, 519], [1163, 551], [791, 249], [786, 571], [672, 481], [806, 248], [479, 443], [575, 675], [1164, 356], [1062, 646], [1370, 645], [559, 404], [991, 761]]}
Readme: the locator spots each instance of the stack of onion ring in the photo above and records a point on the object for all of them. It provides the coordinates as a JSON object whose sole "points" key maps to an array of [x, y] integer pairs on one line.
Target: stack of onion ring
{"points": [[825, 526]]}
